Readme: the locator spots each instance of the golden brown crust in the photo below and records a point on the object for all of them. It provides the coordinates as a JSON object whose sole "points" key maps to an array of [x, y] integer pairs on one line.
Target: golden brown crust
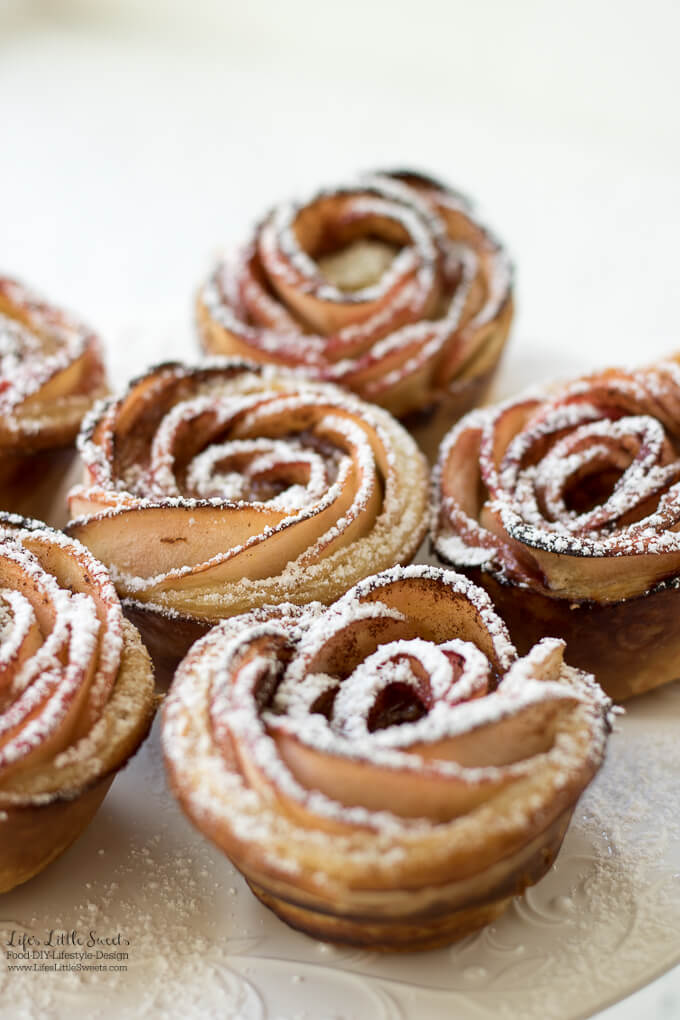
{"points": [[390, 287], [76, 694], [565, 505], [384, 772], [408, 937], [167, 637], [32, 836], [213, 490], [439, 926], [631, 646], [51, 372], [32, 485]]}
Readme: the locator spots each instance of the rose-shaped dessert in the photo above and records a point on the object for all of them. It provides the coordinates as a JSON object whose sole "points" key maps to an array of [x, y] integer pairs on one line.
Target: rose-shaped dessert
{"points": [[210, 491], [565, 505], [389, 287], [50, 374], [386, 771], [76, 693]]}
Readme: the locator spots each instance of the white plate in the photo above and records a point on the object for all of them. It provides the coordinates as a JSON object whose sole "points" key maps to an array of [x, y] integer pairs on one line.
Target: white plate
{"points": [[603, 922], [128, 162]]}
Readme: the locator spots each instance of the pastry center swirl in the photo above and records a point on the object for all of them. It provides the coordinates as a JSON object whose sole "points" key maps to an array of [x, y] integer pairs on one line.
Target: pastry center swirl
{"points": [[56, 612], [244, 452], [575, 492], [598, 476], [372, 706], [392, 689]]}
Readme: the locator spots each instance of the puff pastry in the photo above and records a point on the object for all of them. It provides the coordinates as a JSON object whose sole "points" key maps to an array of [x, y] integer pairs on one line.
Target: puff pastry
{"points": [[51, 372], [385, 772], [76, 693], [565, 505], [390, 287], [213, 490]]}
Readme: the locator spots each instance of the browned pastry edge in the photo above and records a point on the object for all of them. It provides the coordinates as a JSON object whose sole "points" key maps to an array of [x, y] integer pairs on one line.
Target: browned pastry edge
{"points": [[37, 829], [384, 938], [31, 836], [167, 637], [439, 926], [604, 639], [28, 483], [429, 426]]}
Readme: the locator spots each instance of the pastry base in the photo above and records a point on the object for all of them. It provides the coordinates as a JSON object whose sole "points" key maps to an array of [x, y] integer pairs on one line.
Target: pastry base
{"points": [[167, 637], [388, 937], [439, 925], [33, 835], [28, 483], [631, 646], [429, 426], [40, 819]]}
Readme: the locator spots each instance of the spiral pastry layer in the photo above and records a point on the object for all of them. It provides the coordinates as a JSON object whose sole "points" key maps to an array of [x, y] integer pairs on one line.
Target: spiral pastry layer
{"points": [[389, 287], [213, 490], [386, 771], [51, 372], [566, 506], [76, 693]]}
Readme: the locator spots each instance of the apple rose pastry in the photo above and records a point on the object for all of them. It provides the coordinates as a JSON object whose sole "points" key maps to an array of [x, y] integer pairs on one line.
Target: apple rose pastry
{"points": [[76, 693], [389, 287], [213, 490], [565, 505], [385, 772], [50, 374]]}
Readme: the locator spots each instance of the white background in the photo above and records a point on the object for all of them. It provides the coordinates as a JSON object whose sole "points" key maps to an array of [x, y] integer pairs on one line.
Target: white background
{"points": [[138, 140]]}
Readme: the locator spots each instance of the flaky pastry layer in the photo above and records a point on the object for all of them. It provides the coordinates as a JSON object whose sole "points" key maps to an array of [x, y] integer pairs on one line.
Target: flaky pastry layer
{"points": [[385, 771], [76, 693], [51, 372], [390, 287], [565, 505], [209, 491]]}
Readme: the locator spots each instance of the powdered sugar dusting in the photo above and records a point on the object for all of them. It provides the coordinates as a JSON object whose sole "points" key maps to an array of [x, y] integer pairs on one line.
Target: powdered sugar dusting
{"points": [[197, 936], [60, 648], [241, 689], [418, 324], [50, 371], [265, 461], [591, 470]]}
